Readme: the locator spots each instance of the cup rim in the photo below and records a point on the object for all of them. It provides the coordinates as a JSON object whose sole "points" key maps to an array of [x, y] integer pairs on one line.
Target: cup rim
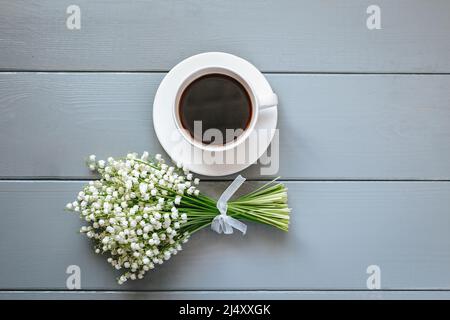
{"points": [[215, 70]]}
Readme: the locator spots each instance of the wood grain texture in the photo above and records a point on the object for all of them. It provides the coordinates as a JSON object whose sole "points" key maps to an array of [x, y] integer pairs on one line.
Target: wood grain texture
{"points": [[347, 126], [278, 36], [228, 295], [338, 229], [331, 126]]}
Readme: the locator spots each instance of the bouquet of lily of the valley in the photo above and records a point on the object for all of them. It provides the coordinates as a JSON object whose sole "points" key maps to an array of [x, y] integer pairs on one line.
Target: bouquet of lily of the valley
{"points": [[142, 210]]}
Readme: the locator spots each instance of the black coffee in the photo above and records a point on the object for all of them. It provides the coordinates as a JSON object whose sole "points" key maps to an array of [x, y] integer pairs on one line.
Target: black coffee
{"points": [[219, 102]]}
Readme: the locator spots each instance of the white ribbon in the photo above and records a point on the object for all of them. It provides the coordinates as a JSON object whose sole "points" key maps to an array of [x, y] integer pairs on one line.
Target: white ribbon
{"points": [[222, 222]]}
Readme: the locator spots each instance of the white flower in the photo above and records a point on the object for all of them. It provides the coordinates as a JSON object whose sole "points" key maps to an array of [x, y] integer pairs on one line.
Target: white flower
{"points": [[158, 157], [101, 164], [92, 157], [143, 187], [190, 190], [69, 206]]}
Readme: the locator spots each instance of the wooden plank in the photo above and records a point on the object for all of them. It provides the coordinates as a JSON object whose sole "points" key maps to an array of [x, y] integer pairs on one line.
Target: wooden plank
{"points": [[338, 229], [226, 295], [287, 35], [331, 126]]}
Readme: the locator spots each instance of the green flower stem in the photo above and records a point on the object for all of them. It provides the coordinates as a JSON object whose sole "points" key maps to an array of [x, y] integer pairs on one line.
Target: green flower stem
{"points": [[267, 205]]}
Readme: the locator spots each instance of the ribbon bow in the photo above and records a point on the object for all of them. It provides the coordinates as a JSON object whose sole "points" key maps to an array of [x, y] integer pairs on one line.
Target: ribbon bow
{"points": [[222, 222]]}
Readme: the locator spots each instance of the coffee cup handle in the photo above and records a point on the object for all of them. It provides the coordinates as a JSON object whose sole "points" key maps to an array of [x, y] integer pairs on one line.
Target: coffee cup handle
{"points": [[267, 101]]}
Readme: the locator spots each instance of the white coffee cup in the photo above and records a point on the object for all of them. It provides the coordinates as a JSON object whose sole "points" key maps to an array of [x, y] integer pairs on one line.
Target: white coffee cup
{"points": [[259, 102]]}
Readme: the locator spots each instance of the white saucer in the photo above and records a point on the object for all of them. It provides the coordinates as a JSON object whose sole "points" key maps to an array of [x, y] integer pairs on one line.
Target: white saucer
{"points": [[176, 145]]}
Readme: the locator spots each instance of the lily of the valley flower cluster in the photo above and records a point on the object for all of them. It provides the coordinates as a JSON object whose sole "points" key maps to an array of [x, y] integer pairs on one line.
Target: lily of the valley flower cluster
{"points": [[142, 210], [132, 211]]}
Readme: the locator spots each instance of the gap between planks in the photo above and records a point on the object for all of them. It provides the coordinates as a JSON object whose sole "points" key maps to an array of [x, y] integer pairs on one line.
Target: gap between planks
{"points": [[281, 72], [83, 179]]}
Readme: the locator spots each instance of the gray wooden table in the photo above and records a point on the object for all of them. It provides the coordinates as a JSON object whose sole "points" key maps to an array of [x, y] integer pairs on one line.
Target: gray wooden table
{"points": [[364, 121]]}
